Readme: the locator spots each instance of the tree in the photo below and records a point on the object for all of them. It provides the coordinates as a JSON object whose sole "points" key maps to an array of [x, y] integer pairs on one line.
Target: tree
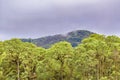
{"points": [[60, 59], [19, 61]]}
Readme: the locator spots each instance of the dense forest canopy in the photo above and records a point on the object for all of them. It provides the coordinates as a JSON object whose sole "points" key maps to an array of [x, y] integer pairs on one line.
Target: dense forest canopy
{"points": [[95, 58]]}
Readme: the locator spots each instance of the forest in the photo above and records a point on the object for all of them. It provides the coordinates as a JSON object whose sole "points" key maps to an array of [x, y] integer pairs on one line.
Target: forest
{"points": [[95, 58]]}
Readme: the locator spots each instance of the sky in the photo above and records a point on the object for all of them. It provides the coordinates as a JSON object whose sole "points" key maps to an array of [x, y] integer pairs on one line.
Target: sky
{"points": [[38, 18]]}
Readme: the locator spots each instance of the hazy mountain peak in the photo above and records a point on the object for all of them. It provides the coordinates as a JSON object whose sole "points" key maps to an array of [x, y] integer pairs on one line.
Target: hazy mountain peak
{"points": [[74, 37]]}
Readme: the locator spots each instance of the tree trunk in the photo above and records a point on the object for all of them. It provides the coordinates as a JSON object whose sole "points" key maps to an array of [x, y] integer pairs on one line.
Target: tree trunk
{"points": [[18, 70]]}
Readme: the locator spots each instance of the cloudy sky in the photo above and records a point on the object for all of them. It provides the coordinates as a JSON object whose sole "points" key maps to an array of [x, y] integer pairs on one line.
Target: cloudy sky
{"points": [[36, 18]]}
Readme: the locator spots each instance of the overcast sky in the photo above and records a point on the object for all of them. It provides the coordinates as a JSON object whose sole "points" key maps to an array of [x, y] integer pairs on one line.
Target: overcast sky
{"points": [[36, 18]]}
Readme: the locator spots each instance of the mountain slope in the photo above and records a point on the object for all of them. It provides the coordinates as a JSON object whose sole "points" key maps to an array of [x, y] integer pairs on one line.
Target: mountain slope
{"points": [[73, 37]]}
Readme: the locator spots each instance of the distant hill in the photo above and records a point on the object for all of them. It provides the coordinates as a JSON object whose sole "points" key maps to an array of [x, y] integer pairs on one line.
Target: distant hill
{"points": [[73, 37]]}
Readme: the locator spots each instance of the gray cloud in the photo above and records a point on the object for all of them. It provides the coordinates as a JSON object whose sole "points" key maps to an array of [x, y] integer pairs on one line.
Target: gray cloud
{"points": [[36, 18]]}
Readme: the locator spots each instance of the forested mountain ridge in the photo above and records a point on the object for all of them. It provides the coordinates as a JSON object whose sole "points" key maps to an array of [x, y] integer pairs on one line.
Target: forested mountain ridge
{"points": [[73, 37]]}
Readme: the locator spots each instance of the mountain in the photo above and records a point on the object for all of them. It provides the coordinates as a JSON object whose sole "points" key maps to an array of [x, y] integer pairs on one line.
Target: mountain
{"points": [[73, 37]]}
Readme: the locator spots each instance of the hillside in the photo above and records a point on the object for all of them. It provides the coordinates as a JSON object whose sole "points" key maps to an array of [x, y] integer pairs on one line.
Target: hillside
{"points": [[73, 37]]}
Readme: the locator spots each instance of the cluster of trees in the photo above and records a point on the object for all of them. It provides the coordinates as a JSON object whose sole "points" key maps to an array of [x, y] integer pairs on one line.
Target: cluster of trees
{"points": [[95, 58]]}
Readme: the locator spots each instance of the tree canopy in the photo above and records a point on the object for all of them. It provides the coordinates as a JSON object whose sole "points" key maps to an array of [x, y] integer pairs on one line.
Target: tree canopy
{"points": [[95, 58]]}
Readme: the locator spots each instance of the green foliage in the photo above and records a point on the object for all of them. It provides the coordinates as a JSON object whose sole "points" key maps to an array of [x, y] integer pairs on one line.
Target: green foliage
{"points": [[96, 58]]}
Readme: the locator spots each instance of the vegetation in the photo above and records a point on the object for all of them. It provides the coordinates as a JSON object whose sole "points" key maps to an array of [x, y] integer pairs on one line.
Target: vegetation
{"points": [[73, 37], [96, 58]]}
